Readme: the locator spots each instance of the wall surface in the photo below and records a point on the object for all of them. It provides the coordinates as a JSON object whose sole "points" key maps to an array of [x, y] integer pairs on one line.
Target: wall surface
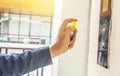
{"points": [[74, 62], [115, 41], [114, 61]]}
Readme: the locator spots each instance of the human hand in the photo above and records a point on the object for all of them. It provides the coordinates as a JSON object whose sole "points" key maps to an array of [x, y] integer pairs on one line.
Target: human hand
{"points": [[63, 42]]}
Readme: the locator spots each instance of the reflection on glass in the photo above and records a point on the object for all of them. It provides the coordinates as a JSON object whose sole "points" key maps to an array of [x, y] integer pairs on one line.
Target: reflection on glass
{"points": [[103, 42], [103, 37]]}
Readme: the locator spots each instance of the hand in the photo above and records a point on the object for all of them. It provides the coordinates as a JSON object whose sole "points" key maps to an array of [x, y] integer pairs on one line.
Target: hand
{"points": [[63, 42]]}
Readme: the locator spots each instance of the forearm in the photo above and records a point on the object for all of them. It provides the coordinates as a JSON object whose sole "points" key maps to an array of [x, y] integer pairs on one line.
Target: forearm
{"points": [[25, 62]]}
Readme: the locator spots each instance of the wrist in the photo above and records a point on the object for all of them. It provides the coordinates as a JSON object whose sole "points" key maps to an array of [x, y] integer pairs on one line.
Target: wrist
{"points": [[54, 51]]}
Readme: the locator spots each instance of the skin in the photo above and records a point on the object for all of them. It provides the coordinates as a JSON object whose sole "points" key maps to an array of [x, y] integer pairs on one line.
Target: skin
{"points": [[63, 42]]}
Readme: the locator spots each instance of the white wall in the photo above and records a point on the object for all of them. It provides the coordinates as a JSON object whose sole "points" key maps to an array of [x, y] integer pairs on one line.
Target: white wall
{"points": [[115, 41], [93, 68], [74, 62]]}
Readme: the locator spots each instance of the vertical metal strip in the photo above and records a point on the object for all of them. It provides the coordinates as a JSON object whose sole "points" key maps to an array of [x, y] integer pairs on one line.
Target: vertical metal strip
{"points": [[42, 71], [0, 50], [37, 74], [50, 36], [2, 33], [24, 51], [8, 39], [30, 30], [40, 29], [19, 28], [0, 22], [6, 51], [30, 26]]}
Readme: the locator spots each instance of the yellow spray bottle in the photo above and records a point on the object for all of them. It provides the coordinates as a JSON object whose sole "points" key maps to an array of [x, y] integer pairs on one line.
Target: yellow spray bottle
{"points": [[73, 25]]}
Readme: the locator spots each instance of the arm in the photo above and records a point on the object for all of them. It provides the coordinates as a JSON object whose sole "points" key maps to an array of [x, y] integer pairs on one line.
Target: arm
{"points": [[17, 64], [14, 64]]}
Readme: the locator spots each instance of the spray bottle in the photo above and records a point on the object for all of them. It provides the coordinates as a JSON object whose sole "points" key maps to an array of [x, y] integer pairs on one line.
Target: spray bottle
{"points": [[73, 26]]}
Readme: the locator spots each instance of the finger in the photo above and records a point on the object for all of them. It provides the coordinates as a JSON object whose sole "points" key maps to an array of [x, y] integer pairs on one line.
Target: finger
{"points": [[66, 21], [72, 41], [70, 46], [68, 31], [74, 34]]}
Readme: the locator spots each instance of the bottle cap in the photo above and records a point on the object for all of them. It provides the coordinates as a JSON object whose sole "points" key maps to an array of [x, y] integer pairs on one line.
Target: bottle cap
{"points": [[73, 24]]}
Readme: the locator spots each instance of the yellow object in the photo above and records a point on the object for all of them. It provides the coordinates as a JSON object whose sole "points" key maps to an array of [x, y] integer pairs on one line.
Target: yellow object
{"points": [[35, 7], [73, 24]]}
